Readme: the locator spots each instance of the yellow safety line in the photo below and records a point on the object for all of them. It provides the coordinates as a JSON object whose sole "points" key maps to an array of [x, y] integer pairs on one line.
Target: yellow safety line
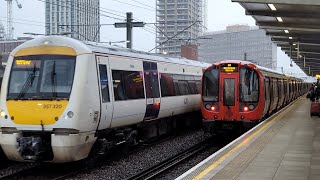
{"points": [[212, 166]]}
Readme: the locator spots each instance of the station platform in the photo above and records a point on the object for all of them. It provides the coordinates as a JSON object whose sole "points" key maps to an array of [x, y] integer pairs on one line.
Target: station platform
{"points": [[286, 146]]}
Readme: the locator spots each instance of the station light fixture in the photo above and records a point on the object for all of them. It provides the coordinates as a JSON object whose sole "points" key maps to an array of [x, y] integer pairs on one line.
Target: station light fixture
{"points": [[280, 19], [272, 7], [290, 37], [294, 44], [286, 31]]}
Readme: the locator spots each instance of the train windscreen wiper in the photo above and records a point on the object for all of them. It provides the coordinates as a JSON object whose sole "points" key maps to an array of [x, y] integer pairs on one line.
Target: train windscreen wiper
{"points": [[28, 83], [53, 80]]}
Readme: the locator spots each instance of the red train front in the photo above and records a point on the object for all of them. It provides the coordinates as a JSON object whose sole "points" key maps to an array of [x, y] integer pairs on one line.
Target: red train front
{"points": [[239, 93], [230, 94]]}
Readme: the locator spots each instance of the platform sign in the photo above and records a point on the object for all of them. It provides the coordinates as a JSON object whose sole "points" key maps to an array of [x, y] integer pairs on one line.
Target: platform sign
{"points": [[229, 68]]}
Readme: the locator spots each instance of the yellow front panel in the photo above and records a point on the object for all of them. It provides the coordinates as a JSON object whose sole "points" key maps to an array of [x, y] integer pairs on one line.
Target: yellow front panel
{"points": [[35, 112], [46, 50]]}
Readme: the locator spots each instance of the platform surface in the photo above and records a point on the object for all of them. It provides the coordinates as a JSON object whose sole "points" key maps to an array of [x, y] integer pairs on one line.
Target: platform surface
{"points": [[286, 146]]}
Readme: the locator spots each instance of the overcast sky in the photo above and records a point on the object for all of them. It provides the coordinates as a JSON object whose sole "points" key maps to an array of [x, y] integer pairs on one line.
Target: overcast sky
{"points": [[220, 14]]}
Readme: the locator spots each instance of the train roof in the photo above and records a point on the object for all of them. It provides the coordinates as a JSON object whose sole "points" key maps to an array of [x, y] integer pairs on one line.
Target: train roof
{"points": [[264, 69], [82, 47], [116, 50]]}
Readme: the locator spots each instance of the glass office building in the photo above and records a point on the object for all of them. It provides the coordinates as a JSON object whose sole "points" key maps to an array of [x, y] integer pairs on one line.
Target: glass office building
{"points": [[184, 20]]}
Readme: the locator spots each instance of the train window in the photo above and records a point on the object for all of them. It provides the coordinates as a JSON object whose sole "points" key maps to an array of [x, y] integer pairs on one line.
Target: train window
{"points": [[41, 77], [228, 93], [167, 85], [151, 80], [249, 85], [176, 88], [267, 89], [183, 87], [127, 85], [193, 87], [198, 84], [151, 84], [104, 83], [210, 91], [275, 84]]}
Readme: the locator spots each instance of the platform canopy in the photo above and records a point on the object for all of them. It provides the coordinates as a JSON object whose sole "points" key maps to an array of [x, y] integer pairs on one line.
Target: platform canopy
{"points": [[294, 25]]}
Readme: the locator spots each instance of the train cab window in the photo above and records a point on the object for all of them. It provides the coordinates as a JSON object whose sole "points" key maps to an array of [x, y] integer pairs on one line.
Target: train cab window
{"points": [[127, 85], [104, 83], [167, 85], [41, 77], [210, 91], [249, 85]]}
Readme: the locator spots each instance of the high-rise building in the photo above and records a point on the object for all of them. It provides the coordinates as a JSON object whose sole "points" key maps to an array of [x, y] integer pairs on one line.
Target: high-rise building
{"points": [[79, 17], [184, 19], [2, 32], [238, 42]]}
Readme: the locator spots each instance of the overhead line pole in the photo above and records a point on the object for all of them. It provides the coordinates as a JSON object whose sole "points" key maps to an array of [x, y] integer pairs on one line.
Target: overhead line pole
{"points": [[129, 25]]}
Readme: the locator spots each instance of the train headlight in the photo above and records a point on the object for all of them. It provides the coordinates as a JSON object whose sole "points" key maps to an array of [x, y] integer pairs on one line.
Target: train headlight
{"points": [[245, 109], [251, 107], [70, 114], [212, 108], [2, 114]]}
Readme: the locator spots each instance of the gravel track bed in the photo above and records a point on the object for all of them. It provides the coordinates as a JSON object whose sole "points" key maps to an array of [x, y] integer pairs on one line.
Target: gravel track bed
{"points": [[182, 168], [14, 168], [135, 162]]}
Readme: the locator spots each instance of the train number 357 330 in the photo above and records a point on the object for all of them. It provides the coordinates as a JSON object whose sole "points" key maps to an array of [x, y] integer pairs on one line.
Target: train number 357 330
{"points": [[52, 106]]}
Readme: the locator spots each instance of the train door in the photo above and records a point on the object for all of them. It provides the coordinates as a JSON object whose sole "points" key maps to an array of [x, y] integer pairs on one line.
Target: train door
{"points": [[271, 95], [152, 90], [228, 95], [105, 92], [266, 95]]}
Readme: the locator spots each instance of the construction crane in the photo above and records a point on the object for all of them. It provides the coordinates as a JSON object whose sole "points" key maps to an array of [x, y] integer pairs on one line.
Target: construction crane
{"points": [[10, 18]]}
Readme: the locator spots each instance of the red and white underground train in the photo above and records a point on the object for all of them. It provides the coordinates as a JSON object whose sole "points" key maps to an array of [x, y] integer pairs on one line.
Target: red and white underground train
{"points": [[242, 93]]}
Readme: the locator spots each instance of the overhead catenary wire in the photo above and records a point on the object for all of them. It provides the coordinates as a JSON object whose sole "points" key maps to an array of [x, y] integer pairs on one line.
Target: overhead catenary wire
{"points": [[134, 5], [79, 9], [24, 20], [174, 36], [144, 4]]}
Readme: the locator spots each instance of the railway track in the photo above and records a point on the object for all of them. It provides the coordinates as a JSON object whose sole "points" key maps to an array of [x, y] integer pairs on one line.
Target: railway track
{"points": [[49, 171], [12, 171], [52, 171], [171, 162]]}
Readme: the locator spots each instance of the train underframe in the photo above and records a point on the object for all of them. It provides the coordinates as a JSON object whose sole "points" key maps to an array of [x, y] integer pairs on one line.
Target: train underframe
{"points": [[67, 145], [219, 126], [147, 131]]}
